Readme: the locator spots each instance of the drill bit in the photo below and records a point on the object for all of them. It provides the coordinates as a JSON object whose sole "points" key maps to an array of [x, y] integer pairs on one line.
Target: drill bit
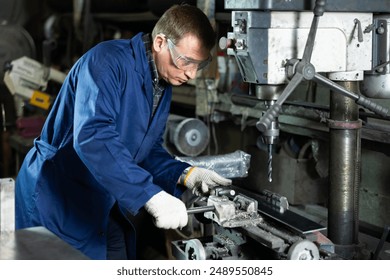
{"points": [[269, 162]]}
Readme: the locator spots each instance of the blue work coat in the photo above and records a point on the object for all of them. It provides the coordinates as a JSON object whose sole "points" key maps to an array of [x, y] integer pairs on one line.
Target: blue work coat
{"points": [[99, 145]]}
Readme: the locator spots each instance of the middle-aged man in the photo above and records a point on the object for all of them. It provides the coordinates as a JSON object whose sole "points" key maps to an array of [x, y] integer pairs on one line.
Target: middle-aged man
{"points": [[99, 158]]}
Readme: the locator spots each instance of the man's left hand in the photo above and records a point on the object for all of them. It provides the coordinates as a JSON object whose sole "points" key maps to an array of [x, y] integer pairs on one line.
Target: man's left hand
{"points": [[201, 180]]}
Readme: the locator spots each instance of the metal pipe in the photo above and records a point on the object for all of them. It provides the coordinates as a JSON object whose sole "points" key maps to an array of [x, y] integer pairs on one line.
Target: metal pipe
{"points": [[344, 171], [200, 209]]}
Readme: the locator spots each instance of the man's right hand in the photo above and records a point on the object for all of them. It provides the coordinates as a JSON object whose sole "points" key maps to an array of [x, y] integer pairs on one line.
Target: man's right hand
{"points": [[168, 211]]}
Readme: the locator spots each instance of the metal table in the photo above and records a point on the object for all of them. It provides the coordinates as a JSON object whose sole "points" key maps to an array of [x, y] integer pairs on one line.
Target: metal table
{"points": [[36, 243]]}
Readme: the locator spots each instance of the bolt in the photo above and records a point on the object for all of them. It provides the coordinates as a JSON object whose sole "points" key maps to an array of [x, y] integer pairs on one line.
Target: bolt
{"points": [[380, 30]]}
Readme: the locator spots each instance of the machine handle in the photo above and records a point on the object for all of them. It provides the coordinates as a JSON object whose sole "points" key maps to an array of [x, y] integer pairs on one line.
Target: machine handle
{"points": [[359, 99], [372, 106], [200, 209], [225, 43], [273, 112], [319, 8], [269, 116]]}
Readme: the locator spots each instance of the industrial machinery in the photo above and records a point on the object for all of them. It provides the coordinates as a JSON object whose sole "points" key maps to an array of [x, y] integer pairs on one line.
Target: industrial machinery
{"points": [[277, 62], [253, 227], [278, 45], [28, 79]]}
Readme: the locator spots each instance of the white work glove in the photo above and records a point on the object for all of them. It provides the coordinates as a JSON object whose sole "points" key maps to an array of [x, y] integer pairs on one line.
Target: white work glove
{"points": [[200, 180], [168, 211]]}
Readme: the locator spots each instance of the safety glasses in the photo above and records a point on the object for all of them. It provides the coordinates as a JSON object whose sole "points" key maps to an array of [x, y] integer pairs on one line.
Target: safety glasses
{"points": [[185, 63]]}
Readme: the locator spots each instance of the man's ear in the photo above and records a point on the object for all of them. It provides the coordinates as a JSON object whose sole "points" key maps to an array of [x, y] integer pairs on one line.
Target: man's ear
{"points": [[158, 43]]}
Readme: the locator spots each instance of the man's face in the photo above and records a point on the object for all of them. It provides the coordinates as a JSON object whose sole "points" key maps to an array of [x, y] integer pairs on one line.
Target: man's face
{"points": [[178, 63]]}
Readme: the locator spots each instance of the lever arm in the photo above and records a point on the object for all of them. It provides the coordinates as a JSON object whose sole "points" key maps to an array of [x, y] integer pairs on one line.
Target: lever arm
{"points": [[359, 99], [273, 112]]}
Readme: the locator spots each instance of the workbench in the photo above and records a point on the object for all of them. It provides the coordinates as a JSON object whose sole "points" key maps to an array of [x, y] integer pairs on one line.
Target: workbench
{"points": [[36, 243]]}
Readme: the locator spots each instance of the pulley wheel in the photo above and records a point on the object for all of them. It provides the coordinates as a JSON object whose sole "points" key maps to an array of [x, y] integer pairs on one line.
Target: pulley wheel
{"points": [[194, 250], [191, 137], [303, 250], [14, 12], [15, 42]]}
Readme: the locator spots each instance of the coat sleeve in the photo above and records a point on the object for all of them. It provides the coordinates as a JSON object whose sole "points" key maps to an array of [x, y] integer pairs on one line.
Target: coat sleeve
{"points": [[165, 169], [96, 139]]}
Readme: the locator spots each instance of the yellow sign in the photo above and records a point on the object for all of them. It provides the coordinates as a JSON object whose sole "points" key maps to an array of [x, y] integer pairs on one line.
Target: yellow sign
{"points": [[40, 99]]}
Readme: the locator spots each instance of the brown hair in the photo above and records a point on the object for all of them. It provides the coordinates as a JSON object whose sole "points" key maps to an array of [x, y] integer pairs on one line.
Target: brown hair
{"points": [[180, 20]]}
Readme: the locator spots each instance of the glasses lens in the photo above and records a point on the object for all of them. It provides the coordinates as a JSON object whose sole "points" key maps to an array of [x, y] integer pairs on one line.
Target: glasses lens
{"points": [[183, 62], [204, 64], [186, 64]]}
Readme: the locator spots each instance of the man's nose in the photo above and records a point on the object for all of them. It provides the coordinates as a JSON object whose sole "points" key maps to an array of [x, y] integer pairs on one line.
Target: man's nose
{"points": [[190, 73]]}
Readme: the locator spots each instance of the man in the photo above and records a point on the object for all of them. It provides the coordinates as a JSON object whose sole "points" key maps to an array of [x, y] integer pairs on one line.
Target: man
{"points": [[99, 158]]}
